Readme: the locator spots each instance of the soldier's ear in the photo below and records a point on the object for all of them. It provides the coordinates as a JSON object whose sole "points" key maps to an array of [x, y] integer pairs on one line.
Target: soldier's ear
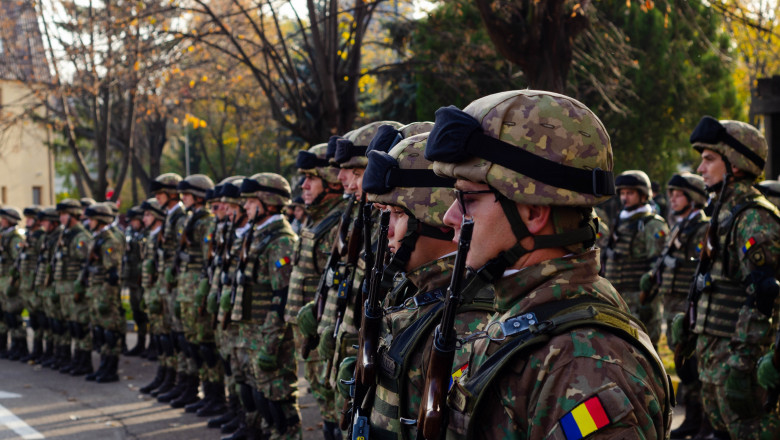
{"points": [[537, 218]]}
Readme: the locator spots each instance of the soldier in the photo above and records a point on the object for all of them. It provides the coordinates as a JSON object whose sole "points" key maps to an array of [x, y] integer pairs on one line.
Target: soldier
{"points": [[530, 165], [736, 286], [132, 275], [164, 188], [53, 327], [637, 240], [154, 217], [322, 194], [192, 249], [771, 190], [101, 280], [11, 242], [31, 300], [69, 256], [417, 202], [265, 347], [299, 214], [671, 278]]}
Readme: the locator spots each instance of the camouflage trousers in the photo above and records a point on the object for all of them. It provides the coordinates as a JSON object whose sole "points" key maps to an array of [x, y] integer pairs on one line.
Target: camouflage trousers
{"points": [[32, 302], [53, 311], [136, 294], [157, 323], [649, 314], [316, 371], [743, 418], [76, 309], [12, 305], [225, 346], [106, 312]]}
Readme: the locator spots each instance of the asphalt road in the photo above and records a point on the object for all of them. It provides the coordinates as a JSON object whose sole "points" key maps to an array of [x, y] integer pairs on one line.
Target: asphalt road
{"points": [[38, 403]]}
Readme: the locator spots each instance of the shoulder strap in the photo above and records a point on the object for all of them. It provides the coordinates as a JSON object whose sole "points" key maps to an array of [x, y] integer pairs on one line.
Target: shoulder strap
{"points": [[190, 228], [753, 202], [326, 225]]}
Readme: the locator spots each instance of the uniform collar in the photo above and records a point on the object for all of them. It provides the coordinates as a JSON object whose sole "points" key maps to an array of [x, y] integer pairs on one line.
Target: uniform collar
{"points": [[432, 275]]}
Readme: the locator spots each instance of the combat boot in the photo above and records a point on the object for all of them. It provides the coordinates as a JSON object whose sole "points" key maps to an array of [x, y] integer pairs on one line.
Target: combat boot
{"points": [[208, 394], [84, 365], [111, 373], [3, 345], [23, 351], [169, 382], [48, 354], [216, 404], [189, 394], [37, 352], [18, 349], [63, 357], [236, 422], [693, 419], [156, 382], [331, 431], [101, 368], [140, 346], [232, 408], [181, 383], [71, 364]]}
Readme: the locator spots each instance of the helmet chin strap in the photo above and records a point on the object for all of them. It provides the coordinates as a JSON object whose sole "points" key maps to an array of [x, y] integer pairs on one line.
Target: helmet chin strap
{"points": [[494, 269], [414, 230]]}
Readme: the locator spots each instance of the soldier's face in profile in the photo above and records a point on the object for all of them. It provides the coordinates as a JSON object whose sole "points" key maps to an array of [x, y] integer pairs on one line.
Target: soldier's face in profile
{"points": [[29, 222], [253, 208], [311, 188], [355, 182], [162, 198], [93, 224], [64, 218], [345, 177], [712, 167], [188, 200], [630, 198], [398, 226], [678, 201], [135, 224], [148, 219]]}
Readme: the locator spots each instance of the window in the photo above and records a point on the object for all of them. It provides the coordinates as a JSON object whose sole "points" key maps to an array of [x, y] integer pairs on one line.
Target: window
{"points": [[37, 190]]}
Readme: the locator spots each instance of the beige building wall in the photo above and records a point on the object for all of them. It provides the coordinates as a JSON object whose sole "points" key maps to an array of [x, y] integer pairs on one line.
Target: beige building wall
{"points": [[26, 164]]}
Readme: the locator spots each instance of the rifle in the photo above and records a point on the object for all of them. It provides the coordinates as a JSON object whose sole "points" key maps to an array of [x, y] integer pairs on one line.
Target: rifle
{"points": [[331, 267], [772, 394], [368, 341], [432, 418], [208, 270], [239, 279], [353, 254], [659, 266], [52, 257], [224, 263]]}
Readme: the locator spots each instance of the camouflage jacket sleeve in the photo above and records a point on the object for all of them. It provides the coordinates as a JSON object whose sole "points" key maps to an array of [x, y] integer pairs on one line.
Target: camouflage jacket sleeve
{"points": [[754, 249], [654, 237], [204, 233], [584, 380], [15, 245], [110, 251], [79, 246], [275, 263]]}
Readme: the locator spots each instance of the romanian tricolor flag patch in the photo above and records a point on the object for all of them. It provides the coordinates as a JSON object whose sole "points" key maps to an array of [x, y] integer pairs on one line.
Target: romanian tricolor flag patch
{"points": [[282, 262], [660, 234], [599, 235], [458, 373], [699, 247], [585, 419], [748, 244]]}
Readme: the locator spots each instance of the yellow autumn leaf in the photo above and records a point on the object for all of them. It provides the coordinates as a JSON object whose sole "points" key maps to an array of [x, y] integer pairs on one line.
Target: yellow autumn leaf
{"points": [[192, 83], [137, 66], [204, 78]]}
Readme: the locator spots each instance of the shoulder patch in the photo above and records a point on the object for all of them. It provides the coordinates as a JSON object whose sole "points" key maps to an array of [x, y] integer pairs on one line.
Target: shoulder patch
{"points": [[208, 237], [282, 262], [80, 244], [458, 373], [748, 244], [660, 234], [585, 419], [699, 247]]}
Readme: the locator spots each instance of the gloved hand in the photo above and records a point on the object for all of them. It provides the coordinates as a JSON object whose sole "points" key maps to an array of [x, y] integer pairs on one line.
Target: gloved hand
{"points": [[677, 328], [78, 291], [266, 361], [327, 346], [307, 322], [646, 282], [346, 373], [768, 376], [224, 303], [169, 277], [211, 303], [739, 393]]}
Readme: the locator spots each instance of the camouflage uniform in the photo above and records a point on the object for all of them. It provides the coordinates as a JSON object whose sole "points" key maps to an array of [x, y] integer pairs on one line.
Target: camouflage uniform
{"points": [[637, 241], [54, 328], [32, 299], [132, 274], [11, 243], [103, 293], [771, 190], [562, 357]]}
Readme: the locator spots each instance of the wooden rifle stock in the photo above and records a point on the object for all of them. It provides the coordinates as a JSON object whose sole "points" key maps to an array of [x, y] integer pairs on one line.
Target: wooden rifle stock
{"points": [[432, 419], [348, 277], [239, 279]]}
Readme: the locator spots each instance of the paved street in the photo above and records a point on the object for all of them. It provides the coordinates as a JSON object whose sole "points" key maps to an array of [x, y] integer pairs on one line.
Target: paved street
{"points": [[58, 406]]}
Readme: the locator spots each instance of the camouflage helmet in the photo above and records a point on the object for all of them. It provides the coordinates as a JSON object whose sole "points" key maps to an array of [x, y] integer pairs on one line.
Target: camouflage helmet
{"points": [[11, 213], [314, 162], [741, 144], [166, 183], [70, 206], [403, 177], [533, 147], [32, 211], [231, 192], [196, 184], [114, 207], [135, 213], [388, 136], [634, 179], [692, 185], [771, 190], [352, 148], [87, 202], [153, 207], [271, 188], [49, 214], [298, 201], [101, 212]]}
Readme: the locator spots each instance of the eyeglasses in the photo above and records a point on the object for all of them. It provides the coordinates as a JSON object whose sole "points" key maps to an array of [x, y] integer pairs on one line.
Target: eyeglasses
{"points": [[460, 197]]}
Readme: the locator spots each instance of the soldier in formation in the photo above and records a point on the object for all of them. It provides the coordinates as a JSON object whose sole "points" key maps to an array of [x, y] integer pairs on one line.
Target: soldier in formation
{"points": [[31, 299], [135, 239]]}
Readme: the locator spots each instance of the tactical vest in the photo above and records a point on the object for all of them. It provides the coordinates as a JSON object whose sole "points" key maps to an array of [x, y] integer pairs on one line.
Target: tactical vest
{"points": [[718, 307], [66, 266], [306, 274], [28, 260], [96, 270], [623, 269], [524, 335], [228, 272], [7, 256], [166, 250], [44, 269], [259, 294], [132, 270], [149, 259], [679, 266], [191, 256]]}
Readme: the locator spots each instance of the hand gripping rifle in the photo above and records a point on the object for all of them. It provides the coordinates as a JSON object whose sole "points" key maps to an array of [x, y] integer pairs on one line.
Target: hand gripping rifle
{"points": [[224, 264], [368, 341], [239, 278], [348, 277], [432, 419]]}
